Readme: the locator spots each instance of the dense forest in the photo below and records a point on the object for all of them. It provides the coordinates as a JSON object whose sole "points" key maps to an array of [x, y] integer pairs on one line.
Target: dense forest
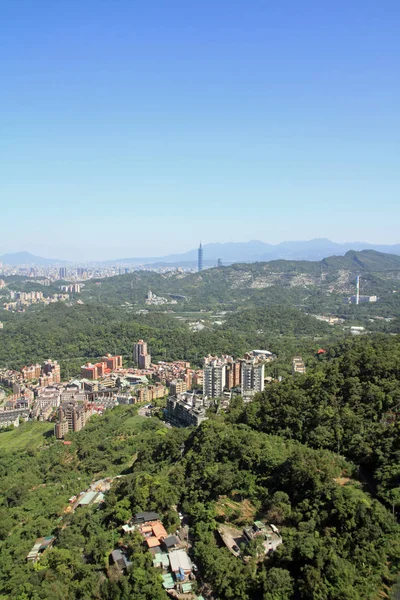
{"points": [[318, 455], [349, 403]]}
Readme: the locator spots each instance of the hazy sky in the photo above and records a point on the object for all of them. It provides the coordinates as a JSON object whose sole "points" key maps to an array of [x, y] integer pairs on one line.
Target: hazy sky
{"points": [[132, 127]]}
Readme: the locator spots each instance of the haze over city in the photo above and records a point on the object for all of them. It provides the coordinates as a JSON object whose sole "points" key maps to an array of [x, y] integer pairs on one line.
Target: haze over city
{"points": [[131, 129]]}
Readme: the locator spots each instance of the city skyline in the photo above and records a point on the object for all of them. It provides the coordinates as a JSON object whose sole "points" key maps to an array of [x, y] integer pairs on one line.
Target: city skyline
{"points": [[120, 121]]}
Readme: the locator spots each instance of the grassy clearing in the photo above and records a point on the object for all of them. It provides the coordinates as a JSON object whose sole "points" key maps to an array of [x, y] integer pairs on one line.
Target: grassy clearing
{"points": [[233, 510], [134, 423], [32, 434]]}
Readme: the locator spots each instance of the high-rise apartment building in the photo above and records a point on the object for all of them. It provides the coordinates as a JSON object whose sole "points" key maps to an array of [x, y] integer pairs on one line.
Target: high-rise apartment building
{"points": [[62, 273], [214, 378], [252, 378], [141, 357], [233, 374], [200, 258]]}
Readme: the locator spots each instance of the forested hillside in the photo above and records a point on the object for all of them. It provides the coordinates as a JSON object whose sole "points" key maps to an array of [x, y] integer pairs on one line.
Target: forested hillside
{"points": [[348, 403], [338, 541], [272, 282]]}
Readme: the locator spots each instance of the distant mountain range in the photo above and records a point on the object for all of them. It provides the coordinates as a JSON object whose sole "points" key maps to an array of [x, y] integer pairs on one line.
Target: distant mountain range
{"points": [[232, 252], [256, 251], [15, 259]]}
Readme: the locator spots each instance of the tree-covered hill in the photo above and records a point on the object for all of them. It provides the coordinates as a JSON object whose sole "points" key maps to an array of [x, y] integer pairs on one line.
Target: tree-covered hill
{"points": [[338, 542], [348, 403], [279, 319], [271, 282]]}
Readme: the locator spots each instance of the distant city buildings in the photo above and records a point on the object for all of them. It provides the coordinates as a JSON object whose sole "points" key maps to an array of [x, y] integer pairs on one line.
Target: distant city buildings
{"points": [[63, 272], [74, 288], [22, 300]]}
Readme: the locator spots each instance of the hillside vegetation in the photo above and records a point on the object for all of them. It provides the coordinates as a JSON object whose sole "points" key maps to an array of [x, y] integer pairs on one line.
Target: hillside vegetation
{"points": [[280, 454], [324, 283]]}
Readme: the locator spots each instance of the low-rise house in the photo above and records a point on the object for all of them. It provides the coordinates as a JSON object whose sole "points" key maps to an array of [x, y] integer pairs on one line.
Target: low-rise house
{"points": [[144, 517], [269, 533], [171, 542], [120, 559], [161, 560]]}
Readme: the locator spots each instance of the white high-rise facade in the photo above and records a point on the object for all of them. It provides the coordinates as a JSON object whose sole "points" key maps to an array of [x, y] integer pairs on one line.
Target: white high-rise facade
{"points": [[252, 378], [214, 378]]}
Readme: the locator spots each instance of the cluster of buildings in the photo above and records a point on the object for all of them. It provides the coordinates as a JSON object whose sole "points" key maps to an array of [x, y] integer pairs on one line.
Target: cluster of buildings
{"points": [[21, 300], [106, 365], [38, 392], [153, 300], [48, 274], [233, 538], [245, 375], [46, 374], [222, 377], [170, 553]]}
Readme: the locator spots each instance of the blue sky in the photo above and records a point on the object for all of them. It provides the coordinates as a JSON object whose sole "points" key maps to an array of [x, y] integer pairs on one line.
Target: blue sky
{"points": [[133, 128]]}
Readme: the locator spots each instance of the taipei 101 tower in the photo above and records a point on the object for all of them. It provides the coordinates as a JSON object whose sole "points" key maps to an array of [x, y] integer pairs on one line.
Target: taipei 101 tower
{"points": [[200, 258]]}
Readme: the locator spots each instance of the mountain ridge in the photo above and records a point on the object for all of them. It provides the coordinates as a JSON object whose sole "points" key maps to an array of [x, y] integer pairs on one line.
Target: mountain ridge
{"points": [[229, 252]]}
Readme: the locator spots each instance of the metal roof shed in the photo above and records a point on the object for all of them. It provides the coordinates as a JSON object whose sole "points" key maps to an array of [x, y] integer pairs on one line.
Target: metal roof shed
{"points": [[87, 498], [180, 560]]}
